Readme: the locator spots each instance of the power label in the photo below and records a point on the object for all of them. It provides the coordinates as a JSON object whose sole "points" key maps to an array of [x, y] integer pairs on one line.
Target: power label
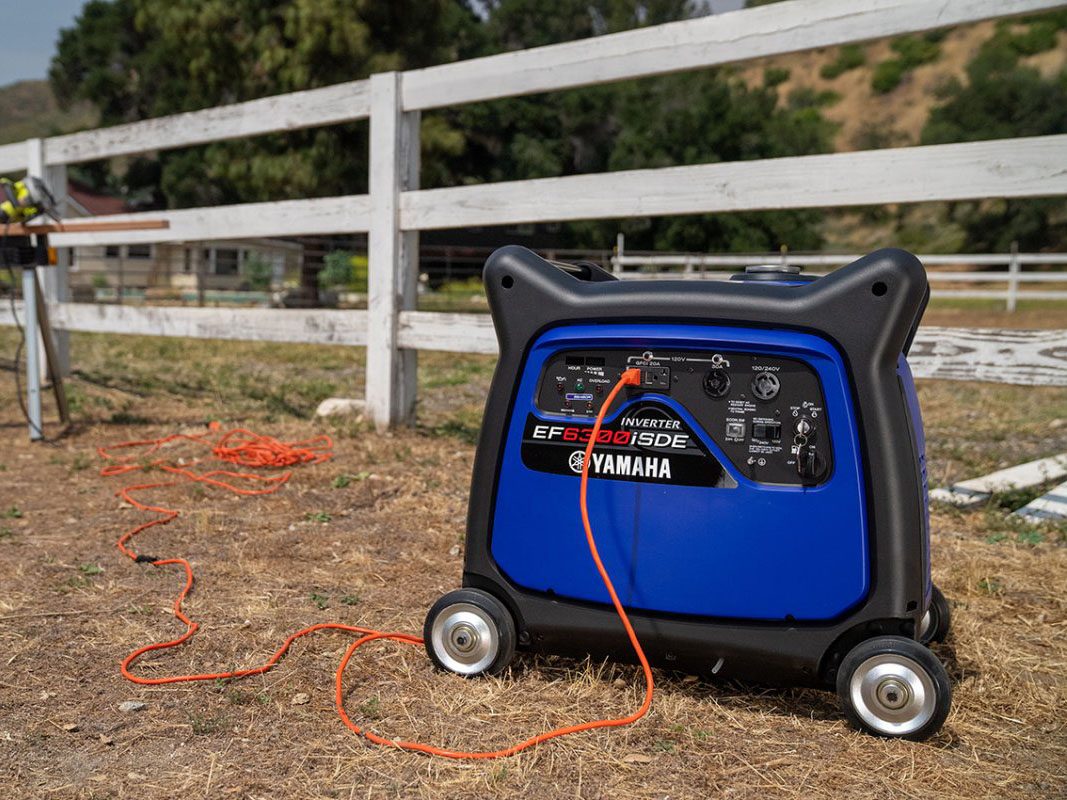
{"points": [[648, 443]]}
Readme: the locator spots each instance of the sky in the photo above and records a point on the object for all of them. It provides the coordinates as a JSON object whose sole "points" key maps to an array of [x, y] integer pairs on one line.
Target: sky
{"points": [[29, 36]]}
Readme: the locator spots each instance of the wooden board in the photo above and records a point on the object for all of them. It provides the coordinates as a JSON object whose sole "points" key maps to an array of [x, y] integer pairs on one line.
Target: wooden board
{"points": [[97, 225], [1029, 358], [1023, 476], [1004, 168], [1032, 358], [976, 491], [1051, 506], [692, 44], [393, 254], [453, 333], [322, 215], [329, 105], [316, 326], [971, 170]]}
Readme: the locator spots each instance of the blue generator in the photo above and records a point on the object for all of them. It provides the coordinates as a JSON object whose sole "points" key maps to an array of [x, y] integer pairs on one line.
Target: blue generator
{"points": [[759, 498]]}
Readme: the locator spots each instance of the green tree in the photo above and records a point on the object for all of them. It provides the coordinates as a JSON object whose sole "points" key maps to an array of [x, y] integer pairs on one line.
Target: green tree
{"points": [[179, 55]]}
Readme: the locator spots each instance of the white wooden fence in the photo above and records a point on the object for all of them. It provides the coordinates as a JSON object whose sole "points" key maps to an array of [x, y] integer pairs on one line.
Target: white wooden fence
{"points": [[395, 209], [694, 266]]}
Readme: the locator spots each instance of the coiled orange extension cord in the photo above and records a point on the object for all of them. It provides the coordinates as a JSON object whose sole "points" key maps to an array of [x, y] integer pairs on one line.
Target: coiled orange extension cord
{"points": [[244, 448]]}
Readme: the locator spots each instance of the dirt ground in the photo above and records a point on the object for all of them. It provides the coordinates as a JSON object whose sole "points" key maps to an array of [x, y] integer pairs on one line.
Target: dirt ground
{"points": [[373, 538]]}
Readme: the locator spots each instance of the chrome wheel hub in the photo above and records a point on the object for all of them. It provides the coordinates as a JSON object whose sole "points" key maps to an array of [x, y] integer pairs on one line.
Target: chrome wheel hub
{"points": [[465, 639], [893, 694]]}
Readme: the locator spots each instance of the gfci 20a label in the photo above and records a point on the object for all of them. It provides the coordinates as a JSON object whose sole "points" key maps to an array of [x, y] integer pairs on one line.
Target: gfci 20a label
{"points": [[648, 443]]}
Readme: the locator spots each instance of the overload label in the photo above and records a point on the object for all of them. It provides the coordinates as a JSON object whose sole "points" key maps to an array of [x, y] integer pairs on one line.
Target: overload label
{"points": [[646, 444]]}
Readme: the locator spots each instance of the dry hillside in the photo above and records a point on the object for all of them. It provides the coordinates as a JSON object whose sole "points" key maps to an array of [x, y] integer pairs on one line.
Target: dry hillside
{"points": [[899, 115], [28, 109]]}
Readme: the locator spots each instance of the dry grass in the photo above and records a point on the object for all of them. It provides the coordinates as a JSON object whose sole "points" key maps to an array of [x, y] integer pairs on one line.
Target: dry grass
{"points": [[71, 607]]}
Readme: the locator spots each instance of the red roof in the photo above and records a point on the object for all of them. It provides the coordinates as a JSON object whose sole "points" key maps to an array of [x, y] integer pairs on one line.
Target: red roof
{"points": [[94, 203]]}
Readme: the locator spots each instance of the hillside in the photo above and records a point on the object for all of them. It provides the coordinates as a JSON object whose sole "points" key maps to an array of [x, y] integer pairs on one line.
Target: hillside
{"points": [[870, 119], [29, 109]]}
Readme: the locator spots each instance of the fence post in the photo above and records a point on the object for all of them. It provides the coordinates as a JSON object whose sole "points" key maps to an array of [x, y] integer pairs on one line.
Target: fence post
{"points": [[620, 249], [55, 281], [1013, 276], [392, 276]]}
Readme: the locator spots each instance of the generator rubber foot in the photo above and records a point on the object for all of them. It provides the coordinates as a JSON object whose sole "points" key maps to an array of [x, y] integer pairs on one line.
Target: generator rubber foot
{"points": [[937, 620], [894, 687], [470, 632]]}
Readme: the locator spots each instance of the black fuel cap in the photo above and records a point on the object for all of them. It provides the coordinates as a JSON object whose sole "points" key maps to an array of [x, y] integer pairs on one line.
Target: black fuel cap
{"points": [[773, 272]]}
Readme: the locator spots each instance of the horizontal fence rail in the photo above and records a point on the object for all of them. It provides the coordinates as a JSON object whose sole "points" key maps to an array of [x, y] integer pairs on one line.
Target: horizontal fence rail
{"points": [[1036, 358], [396, 209], [315, 326], [691, 44], [324, 215], [973, 170], [968, 171], [834, 259], [693, 266]]}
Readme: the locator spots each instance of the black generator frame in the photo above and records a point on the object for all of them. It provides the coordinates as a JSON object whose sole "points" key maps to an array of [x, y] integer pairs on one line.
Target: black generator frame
{"points": [[869, 310]]}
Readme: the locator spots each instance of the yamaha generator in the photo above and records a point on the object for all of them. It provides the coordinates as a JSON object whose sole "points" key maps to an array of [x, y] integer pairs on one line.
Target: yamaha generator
{"points": [[759, 496]]}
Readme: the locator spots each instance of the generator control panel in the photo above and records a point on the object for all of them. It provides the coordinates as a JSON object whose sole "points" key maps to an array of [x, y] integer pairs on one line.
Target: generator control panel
{"points": [[765, 412]]}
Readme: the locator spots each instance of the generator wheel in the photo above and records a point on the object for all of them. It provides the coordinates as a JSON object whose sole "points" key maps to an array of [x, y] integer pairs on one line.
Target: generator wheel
{"points": [[894, 687], [935, 623], [469, 632]]}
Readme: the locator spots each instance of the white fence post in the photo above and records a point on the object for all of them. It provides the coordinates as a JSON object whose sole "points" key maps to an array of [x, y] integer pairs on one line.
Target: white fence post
{"points": [[393, 253], [54, 280], [1013, 276], [620, 250]]}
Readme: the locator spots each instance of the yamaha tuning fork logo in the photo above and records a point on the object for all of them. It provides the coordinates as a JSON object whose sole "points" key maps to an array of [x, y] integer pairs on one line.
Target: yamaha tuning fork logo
{"points": [[648, 443]]}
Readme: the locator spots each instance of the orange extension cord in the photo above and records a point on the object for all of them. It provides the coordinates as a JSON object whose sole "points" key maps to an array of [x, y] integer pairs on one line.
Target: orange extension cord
{"points": [[246, 449]]}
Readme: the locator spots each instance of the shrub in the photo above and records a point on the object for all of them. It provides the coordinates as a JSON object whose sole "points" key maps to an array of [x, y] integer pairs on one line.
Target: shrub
{"points": [[258, 272], [915, 51], [773, 76], [806, 97], [912, 51], [887, 76], [848, 57], [342, 269]]}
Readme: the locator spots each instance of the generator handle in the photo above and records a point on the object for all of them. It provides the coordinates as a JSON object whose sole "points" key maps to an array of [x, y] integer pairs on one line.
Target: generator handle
{"points": [[584, 270]]}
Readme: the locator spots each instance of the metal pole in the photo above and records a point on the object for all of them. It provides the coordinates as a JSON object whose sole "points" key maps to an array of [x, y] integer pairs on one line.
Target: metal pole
{"points": [[200, 267], [122, 276], [1013, 277], [33, 356], [620, 248]]}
